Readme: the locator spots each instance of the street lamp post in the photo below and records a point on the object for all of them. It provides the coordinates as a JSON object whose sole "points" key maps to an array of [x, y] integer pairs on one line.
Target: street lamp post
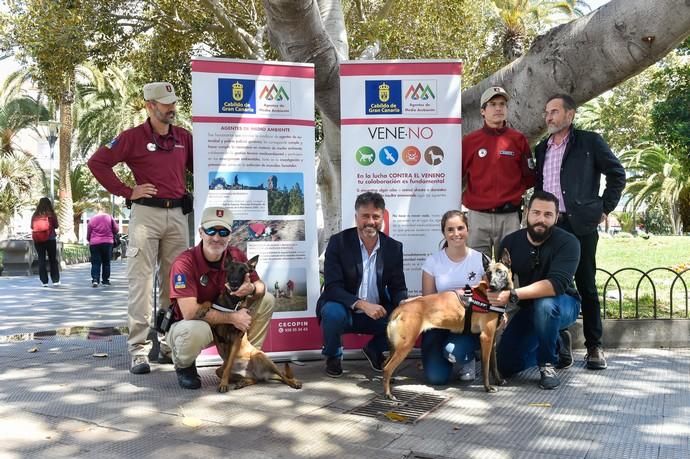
{"points": [[51, 137]]}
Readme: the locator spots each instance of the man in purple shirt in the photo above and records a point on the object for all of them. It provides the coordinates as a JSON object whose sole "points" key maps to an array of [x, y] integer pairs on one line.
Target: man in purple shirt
{"points": [[158, 154], [570, 163]]}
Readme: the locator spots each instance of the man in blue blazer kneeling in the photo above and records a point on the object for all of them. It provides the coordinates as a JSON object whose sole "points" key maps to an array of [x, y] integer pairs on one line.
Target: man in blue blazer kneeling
{"points": [[364, 282]]}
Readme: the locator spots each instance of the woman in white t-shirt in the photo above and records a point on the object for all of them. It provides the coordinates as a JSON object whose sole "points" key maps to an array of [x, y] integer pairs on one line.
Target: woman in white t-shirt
{"points": [[455, 266]]}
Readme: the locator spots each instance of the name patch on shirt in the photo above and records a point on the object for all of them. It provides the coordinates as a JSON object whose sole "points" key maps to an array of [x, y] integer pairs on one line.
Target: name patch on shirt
{"points": [[180, 281], [507, 153]]}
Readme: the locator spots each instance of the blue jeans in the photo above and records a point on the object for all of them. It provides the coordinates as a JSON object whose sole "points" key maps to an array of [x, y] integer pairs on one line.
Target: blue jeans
{"points": [[100, 257], [440, 348], [337, 319], [531, 337]]}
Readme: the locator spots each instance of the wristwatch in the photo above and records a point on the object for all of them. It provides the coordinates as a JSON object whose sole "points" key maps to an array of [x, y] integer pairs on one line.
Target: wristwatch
{"points": [[513, 298]]}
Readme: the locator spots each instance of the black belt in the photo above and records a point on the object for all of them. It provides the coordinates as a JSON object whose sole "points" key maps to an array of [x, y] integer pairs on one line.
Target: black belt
{"points": [[159, 202], [504, 209]]}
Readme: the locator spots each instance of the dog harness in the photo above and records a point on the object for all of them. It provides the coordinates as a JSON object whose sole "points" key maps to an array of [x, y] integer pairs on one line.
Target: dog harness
{"points": [[474, 300]]}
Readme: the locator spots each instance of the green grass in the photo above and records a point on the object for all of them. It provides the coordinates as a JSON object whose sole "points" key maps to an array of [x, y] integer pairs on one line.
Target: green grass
{"points": [[671, 252]]}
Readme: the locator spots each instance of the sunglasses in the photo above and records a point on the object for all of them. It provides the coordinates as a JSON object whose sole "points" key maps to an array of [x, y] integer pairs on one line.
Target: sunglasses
{"points": [[222, 232], [534, 258]]}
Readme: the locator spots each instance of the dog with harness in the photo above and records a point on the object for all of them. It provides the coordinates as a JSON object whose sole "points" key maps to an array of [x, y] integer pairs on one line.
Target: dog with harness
{"points": [[454, 311], [233, 345]]}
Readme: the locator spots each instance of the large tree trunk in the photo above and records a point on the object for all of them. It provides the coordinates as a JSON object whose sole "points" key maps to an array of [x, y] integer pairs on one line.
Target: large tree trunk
{"points": [[584, 58], [66, 211], [314, 31]]}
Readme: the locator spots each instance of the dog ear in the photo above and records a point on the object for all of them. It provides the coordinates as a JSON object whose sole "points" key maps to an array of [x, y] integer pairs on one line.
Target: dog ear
{"points": [[253, 262], [227, 263], [505, 258]]}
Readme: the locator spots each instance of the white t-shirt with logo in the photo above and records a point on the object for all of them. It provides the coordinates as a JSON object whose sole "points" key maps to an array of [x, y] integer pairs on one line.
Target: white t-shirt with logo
{"points": [[449, 275]]}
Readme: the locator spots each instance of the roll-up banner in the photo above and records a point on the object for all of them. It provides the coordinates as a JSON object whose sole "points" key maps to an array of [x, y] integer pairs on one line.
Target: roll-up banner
{"points": [[401, 137], [253, 125]]}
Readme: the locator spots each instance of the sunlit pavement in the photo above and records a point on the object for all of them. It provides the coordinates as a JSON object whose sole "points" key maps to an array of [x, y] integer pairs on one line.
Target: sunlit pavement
{"points": [[66, 392]]}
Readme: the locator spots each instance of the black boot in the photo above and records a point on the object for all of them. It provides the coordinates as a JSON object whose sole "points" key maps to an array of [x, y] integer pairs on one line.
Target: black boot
{"points": [[188, 378]]}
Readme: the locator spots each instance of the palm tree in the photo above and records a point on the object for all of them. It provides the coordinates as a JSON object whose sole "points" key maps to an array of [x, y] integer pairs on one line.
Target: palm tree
{"points": [[108, 103], [17, 176], [521, 20], [655, 177], [19, 169]]}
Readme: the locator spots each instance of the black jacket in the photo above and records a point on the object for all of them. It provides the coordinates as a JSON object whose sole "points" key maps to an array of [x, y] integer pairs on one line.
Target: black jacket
{"points": [[586, 158], [343, 271]]}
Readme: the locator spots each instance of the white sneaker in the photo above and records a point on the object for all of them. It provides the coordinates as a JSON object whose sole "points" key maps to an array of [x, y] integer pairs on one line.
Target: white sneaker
{"points": [[45, 285], [56, 284], [467, 371]]}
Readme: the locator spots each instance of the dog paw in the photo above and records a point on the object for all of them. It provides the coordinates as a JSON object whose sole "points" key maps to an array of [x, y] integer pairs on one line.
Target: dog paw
{"points": [[501, 382], [223, 388], [491, 389], [297, 385]]}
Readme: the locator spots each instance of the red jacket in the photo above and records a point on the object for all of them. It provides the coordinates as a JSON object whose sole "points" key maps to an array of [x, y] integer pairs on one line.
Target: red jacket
{"points": [[495, 168], [152, 158]]}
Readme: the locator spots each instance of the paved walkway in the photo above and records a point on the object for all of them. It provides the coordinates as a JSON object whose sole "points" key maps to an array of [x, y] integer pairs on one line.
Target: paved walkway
{"points": [[70, 395]]}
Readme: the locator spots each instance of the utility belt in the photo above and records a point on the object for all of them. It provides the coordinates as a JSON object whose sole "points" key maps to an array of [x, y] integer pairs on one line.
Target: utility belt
{"points": [[186, 202], [506, 208]]}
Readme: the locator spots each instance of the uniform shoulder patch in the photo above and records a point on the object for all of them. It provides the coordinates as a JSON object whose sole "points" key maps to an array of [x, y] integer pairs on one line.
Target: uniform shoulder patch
{"points": [[180, 280], [112, 143]]}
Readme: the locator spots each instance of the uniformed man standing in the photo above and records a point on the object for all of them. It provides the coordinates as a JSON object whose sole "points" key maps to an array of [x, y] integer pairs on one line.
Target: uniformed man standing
{"points": [[158, 154]]}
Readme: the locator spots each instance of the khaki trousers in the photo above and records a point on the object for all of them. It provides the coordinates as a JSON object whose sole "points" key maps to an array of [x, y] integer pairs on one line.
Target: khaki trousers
{"points": [[487, 230], [188, 338], [156, 237]]}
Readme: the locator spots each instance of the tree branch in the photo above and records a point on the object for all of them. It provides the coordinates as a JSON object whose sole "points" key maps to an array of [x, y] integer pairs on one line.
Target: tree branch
{"points": [[583, 58], [245, 41]]}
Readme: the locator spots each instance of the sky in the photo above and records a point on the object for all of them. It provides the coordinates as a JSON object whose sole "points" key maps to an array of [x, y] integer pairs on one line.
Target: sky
{"points": [[594, 4]]}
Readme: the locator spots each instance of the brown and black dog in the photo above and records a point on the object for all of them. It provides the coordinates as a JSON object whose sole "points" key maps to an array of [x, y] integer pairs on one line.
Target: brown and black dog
{"points": [[233, 344], [447, 310]]}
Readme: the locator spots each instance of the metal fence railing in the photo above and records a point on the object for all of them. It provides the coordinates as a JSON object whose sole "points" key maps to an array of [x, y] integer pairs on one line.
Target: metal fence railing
{"points": [[658, 293]]}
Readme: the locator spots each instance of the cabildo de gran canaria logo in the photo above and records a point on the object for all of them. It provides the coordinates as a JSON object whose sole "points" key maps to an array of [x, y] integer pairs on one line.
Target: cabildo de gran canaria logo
{"points": [[236, 96], [383, 97]]}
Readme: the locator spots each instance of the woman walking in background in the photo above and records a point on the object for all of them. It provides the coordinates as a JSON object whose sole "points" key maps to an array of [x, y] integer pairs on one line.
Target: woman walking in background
{"points": [[43, 225], [100, 232]]}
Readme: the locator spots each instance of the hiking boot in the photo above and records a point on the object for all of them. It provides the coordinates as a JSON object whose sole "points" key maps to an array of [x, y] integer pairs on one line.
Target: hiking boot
{"points": [[165, 359], [565, 352], [140, 365], [375, 359], [549, 379], [334, 367], [188, 378], [595, 358]]}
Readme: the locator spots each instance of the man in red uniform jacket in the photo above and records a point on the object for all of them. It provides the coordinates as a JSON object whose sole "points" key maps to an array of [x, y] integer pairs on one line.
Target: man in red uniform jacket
{"points": [[158, 154], [496, 171]]}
